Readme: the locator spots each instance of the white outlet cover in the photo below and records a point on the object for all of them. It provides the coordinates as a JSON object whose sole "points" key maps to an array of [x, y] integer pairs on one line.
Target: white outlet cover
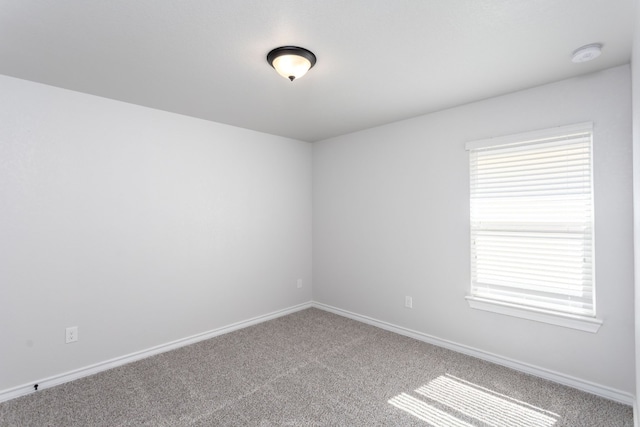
{"points": [[71, 334]]}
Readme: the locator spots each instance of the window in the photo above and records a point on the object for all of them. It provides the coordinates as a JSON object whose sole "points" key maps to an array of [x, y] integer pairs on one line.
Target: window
{"points": [[532, 226]]}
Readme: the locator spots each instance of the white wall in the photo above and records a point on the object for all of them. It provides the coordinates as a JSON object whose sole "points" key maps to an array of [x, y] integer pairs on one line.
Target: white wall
{"points": [[142, 227], [635, 82], [138, 226], [391, 218]]}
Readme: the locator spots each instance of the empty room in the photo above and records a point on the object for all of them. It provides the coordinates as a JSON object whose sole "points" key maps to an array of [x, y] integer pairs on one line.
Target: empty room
{"points": [[356, 212]]}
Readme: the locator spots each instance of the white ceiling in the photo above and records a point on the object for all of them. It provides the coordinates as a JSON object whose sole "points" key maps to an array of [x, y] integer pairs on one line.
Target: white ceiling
{"points": [[378, 60]]}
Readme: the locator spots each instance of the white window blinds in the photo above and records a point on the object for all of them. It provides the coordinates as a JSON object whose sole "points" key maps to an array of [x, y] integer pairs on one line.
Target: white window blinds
{"points": [[532, 220]]}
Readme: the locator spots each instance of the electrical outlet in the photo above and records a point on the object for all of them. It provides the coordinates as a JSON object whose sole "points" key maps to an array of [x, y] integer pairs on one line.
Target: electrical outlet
{"points": [[72, 334], [299, 283], [408, 302]]}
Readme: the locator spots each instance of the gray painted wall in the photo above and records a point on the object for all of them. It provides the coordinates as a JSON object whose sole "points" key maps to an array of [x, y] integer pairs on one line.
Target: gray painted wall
{"points": [[138, 226], [391, 219]]}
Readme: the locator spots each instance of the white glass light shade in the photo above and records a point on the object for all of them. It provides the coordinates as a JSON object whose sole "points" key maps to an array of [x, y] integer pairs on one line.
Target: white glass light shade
{"points": [[291, 66]]}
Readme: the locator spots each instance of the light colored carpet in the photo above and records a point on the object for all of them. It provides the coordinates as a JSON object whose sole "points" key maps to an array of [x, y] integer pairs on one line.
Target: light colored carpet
{"points": [[312, 368]]}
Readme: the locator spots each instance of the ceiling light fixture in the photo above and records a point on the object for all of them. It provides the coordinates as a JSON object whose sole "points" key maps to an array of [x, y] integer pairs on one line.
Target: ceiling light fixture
{"points": [[586, 53], [291, 62]]}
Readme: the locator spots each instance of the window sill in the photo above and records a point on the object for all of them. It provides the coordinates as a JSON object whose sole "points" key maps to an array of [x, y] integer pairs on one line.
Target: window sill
{"points": [[588, 324]]}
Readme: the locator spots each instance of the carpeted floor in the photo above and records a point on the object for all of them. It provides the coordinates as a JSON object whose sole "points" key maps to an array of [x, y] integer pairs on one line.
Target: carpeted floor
{"points": [[312, 368]]}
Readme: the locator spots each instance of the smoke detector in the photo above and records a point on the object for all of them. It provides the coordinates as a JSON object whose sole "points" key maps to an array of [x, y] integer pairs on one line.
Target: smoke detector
{"points": [[586, 53]]}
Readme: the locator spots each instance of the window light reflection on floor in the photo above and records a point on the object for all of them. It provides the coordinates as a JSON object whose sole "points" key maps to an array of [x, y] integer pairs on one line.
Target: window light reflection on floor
{"points": [[463, 397], [426, 412]]}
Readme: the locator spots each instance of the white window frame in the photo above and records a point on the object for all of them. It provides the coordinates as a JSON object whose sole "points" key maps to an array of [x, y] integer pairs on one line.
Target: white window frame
{"points": [[478, 299]]}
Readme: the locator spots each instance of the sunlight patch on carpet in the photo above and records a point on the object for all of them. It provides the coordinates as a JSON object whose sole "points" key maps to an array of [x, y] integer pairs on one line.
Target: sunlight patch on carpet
{"points": [[426, 412], [471, 400]]}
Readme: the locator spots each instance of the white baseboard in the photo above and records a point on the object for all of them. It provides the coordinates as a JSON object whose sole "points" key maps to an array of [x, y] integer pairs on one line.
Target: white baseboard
{"points": [[587, 386], [25, 389]]}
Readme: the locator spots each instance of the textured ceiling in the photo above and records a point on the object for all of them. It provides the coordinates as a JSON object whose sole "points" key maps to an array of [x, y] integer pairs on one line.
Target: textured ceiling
{"points": [[378, 60]]}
